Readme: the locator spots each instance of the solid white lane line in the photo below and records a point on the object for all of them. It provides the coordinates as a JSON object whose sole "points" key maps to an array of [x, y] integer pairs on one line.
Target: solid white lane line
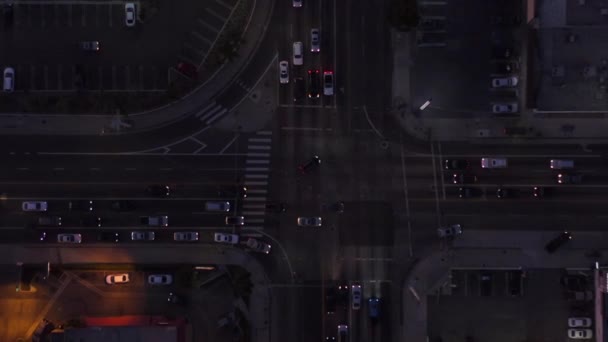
{"points": [[258, 147], [256, 176], [254, 183], [263, 140], [254, 161]]}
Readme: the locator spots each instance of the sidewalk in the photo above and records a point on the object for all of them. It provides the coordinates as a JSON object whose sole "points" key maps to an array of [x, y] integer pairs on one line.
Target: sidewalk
{"points": [[70, 124], [488, 249], [260, 300]]}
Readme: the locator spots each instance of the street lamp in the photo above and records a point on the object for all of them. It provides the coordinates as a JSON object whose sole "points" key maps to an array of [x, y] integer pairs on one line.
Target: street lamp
{"points": [[426, 104]]}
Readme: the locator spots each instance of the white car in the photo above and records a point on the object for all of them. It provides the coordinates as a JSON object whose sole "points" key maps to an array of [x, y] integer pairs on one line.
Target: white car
{"points": [[297, 3], [580, 334], [452, 230], [9, 80], [34, 206], [505, 108], [356, 296], [160, 279], [185, 236], [503, 82], [328, 83], [284, 72], [315, 41], [310, 221], [121, 278], [231, 239], [298, 51], [493, 163], [579, 322], [130, 14], [258, 246], [69, 238], [140, 236]]}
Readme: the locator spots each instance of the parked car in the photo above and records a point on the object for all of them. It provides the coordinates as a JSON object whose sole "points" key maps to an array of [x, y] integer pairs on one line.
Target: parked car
{"points": [[580, 334], [51, 221], [187, 69], [299, 89], [579, 322], [461, 178], [315, 40], [455, 164], [283, 72], [123, 205], [569, 178], [92, 45], [485, 285], [356, 294], [493, 163], [312, 163], [449, 231], [232, 191], [310, 221], [506, 193], [342, 331], [235, 220], [502, 82], [80, 205], [540, 192], [558, 241], [185, 236], [160, 279], [69, 238], [121, 278], [328, 83], [158, 190], [223, 206], [8, 84], [505, 108], [515, 282], [130, 14], [34, 206], [154, 221], [258, 246], [142, 236], [231, 239], [468, 192], [558, 164]]}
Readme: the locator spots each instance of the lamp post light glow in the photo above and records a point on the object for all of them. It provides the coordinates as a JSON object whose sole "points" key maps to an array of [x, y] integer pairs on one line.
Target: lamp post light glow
{"points": [[426, 104]]}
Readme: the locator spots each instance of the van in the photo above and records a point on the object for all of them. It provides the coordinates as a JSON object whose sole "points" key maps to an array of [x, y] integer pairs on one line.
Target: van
{"points": [[298, 59], [217, 206], [559, 164], [9, 80]]}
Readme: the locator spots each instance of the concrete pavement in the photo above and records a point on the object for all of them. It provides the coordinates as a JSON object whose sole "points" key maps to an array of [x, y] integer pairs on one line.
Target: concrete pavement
{"points": [[260, 309], [488, 249], [69, 124]]}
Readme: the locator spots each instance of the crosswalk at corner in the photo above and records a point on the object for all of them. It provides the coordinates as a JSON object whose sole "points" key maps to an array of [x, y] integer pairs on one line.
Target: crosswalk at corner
{"points": [[257, 170]]}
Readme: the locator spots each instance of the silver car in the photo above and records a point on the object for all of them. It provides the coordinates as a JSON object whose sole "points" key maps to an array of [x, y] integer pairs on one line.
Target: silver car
{"points": [[69, 238], [258, 246], [185, 236], [34, 206], [310, 221], [141, 236]]}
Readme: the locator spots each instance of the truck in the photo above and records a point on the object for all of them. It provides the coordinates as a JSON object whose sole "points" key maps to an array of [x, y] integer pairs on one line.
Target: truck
{"points": [[154, 221]]}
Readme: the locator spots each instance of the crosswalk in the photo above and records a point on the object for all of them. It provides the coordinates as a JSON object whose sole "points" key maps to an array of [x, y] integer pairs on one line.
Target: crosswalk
{"points": [[257, 169], [211, 113]]}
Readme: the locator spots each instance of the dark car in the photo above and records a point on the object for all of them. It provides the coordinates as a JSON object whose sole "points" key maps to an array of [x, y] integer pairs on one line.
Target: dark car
{"points": [[338, 207], [312, 163], [343, 293], [486, 283], [277, 207], [232, 191], [515, 282], [91, 221], [558, 241], [90, 46], [506, 193], [49, 221], [461, 178], [159, 190], [187, 69], [466, 192], [313, 83], [455, 164], [299, 89], [373, 306], [8, 14], [515, 131], [330, 300], [502, 53], [109, 237], [123, 205], [506, 20], [506, 67], [80, 205], [569, 178], [540, 192]]}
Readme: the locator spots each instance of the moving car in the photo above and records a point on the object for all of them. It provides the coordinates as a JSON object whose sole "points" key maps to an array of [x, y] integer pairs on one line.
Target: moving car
{"points": [[231, 239], [313, 83], [505, 108], [142, 236], [283, 72], [123, 205], [506, 193], [309, 221], [558, 241], [373, 306], [506, 67], [449, 231], [235, 220], [69, 238], [466, 192], [185, 236], [579, 322], [80, 205], [558, 164], [569, 178], [232, 191], [313, 162], [121, 278], [92, 45], [580, 334], [502, 82], [154, 221], [130, 14], [160, 279], [299, 89], [342, 331], [455, 164], [8, 84], [298, 50], [356, 294], [54, 221], [34, 206], [258, 246], [540, 192], [158, 190], [109, 237], [330, 300], [343, 293], [493, 163], [217, 206], [328, 83], [297, 3], [315, 41], [461, 178]]}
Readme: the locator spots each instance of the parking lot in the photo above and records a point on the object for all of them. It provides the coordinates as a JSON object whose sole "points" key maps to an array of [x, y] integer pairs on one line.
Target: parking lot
{"points": [[509, 305], [137, 58], [458, 55]]}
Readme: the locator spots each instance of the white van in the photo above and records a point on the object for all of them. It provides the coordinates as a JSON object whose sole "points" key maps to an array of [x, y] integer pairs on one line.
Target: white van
{"points": [[298, 50], [9, 79], [559, 164]]}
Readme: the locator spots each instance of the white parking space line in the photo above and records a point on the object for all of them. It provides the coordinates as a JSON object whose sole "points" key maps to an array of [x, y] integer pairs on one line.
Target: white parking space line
{"points": [[110, 16], [59, 78], [255, 183], [250, 176], [199, 52], [264, 133], [56, 11], [226, 6], [201, 38], [83, 18], [100, 75], [70, 15], [253, 206], [254, 154], [263, 140], [32, 78], [141, 77], [97, 16], [46, 76], [43, 17], [215, 14], [255, 199], [252, 169], [113, 77], [127, 77], [217, 116], [257, 147], [216, 30], [257, 191]]}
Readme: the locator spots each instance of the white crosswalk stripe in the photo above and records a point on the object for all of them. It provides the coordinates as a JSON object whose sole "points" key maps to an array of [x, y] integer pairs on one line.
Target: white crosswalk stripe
{"points": [[257, 174]]}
